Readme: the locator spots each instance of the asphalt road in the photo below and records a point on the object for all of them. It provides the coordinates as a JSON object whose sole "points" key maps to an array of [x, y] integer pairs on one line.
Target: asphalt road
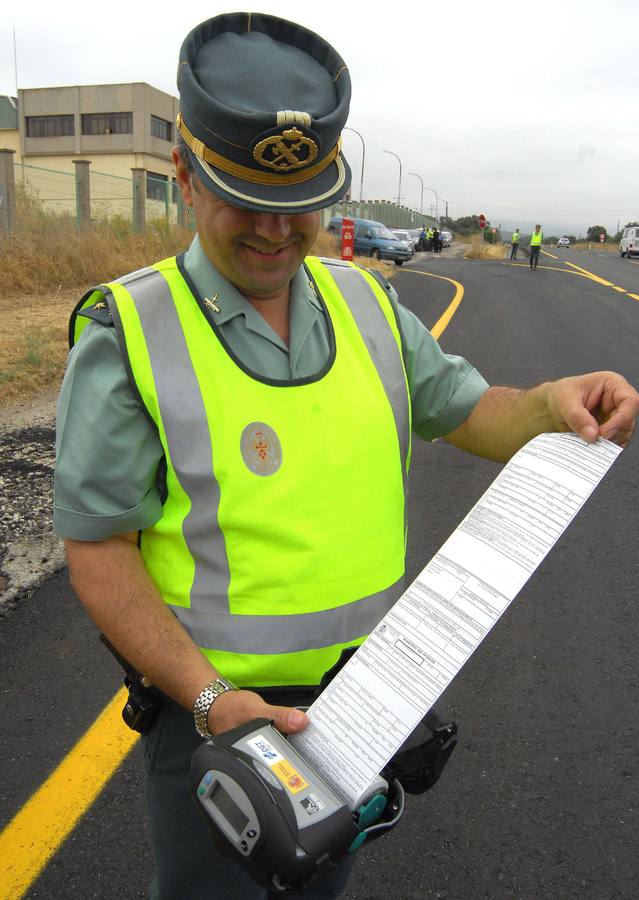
{"points": [[540, 798]]}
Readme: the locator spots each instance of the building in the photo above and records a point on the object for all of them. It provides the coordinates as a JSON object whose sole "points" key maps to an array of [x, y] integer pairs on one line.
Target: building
{"points": [[9, 133], [116, 127]]}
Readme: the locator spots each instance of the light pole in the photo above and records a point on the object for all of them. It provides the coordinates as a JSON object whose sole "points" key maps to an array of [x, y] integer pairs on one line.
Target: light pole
{"points": [[421, 202], [399, 189], [446, 202], [436, 202], [361, 181]]}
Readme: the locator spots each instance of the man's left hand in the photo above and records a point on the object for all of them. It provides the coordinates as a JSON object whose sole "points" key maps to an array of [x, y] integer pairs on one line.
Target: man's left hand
{"points": [[600, 404]]}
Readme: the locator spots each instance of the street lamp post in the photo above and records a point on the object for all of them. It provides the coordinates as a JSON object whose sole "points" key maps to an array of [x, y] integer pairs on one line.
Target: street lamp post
{"points": [[361, 181], [421, 202], [399, 189], [446, 202], [436, 202]]}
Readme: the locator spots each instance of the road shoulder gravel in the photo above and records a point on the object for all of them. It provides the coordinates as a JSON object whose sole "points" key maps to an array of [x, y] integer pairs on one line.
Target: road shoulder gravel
{"points": [[29, 551]]}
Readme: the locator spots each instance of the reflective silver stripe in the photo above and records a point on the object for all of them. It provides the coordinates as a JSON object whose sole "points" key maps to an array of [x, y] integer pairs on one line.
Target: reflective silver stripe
{"points": [[381, 345], [288, 634], [190, 447]]}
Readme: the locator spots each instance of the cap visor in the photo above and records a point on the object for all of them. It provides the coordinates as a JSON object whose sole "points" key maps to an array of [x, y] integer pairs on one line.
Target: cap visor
{"points": [[326, 188]]}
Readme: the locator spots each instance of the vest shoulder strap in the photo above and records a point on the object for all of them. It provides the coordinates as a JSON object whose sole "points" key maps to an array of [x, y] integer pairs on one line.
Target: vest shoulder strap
{"points": [[92, 305], [97, 304]]}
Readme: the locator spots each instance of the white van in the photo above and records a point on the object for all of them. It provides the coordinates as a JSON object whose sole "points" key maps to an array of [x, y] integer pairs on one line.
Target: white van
{"points": [[629, 243]]}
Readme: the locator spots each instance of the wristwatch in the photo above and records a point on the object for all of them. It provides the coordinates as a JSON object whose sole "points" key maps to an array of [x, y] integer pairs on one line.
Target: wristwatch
{"points": [[205, 700]]}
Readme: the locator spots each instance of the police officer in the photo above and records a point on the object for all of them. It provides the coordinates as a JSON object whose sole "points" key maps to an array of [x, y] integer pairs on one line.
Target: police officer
{"points": [[233, 430], [514, 243], [536, 240]]}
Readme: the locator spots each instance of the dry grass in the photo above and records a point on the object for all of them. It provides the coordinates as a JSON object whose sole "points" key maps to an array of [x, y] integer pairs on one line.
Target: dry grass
{"points": [[45, 267], [33, 343], [46, 252], [477, 250]]}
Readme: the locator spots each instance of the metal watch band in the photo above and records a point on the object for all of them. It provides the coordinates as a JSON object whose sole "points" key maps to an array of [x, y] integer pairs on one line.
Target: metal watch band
{"points": [[205, 700]]}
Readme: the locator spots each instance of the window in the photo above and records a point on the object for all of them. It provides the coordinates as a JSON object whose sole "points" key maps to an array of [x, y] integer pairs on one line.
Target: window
{"points": [[107, 123], [162, 129], [49, 126], [156, 186]]}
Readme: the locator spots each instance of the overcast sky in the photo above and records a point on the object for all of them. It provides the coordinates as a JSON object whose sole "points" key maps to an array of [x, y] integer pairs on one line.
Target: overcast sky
{"points": [[523, 111]]}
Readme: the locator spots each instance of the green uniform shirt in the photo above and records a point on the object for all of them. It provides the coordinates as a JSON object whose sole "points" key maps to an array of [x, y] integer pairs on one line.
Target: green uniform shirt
{"points": [[109, 457]]}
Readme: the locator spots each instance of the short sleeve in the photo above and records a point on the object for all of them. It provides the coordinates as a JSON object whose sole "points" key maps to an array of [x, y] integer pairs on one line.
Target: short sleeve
{"points": [[108, 453], [444, 389]]}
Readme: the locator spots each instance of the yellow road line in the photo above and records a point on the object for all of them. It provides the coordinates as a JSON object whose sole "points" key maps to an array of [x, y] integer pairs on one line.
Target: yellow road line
{"points": [[441, 324], [38, 830], [620, 289], [634, 296], [547, 268], [552, 256], [591, 275]]}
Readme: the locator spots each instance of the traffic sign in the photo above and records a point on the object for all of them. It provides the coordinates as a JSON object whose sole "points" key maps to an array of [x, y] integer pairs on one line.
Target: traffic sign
{"points": [[602, 237], [348, 239], [482, 221], [494, 230]]}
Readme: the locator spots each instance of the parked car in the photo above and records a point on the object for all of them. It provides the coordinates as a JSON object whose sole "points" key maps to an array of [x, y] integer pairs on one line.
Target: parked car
{"points": [[374, 239], [447, 238], [563, 242], [629, 243], [404, 234]]}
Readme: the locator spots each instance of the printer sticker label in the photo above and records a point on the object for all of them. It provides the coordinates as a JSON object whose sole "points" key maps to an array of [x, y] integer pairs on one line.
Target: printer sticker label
{"points": [[265, 749], [290, 778], [312, 804]]}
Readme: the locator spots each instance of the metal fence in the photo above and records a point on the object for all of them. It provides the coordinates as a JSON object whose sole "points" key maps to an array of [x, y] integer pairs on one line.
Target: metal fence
{"points": [[93, 195], [384, 211], [89, 195]]}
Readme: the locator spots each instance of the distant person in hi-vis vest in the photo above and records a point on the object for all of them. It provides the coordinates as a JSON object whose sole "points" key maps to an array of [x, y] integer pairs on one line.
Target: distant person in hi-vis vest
{"points": [[536, 240], [514, 241]]}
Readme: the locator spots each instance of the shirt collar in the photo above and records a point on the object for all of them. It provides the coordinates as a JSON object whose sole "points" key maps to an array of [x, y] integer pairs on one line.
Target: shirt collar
{"points": [[208, 282]]}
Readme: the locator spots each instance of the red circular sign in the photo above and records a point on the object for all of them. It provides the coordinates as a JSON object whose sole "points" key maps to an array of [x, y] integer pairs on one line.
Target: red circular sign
{"points": [[602, 237], [482, 221]]}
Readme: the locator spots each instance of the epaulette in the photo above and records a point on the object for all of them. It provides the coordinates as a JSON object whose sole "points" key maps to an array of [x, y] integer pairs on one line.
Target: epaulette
{"points": [[379, 278], [99, 312]]}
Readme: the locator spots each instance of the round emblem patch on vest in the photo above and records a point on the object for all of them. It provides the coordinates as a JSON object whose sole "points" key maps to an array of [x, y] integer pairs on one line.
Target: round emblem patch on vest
{"points": [[261, 449]]}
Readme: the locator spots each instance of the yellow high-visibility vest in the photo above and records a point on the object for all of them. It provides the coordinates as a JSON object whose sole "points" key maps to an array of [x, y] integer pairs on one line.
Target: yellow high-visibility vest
{"points": [[282, 538]]}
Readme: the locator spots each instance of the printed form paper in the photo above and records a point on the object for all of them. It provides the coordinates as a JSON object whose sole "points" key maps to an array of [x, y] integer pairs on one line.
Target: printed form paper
{"points": [[369, 709]]}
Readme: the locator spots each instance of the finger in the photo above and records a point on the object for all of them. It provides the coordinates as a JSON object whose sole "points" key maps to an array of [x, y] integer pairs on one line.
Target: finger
{"points": [[619, 436], [582, 423], [621, 421], [287, 719]]}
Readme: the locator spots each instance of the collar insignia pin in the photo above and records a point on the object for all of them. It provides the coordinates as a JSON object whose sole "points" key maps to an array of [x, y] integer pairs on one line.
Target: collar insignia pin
{"points": [[211, 304]]}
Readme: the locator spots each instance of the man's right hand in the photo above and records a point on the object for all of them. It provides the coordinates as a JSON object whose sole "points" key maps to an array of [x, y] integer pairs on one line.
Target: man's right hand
{"points": [[234, 708]]}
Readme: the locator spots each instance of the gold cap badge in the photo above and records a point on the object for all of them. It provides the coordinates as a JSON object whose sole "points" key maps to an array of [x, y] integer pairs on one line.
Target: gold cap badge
{"points": [[286, 151]]}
